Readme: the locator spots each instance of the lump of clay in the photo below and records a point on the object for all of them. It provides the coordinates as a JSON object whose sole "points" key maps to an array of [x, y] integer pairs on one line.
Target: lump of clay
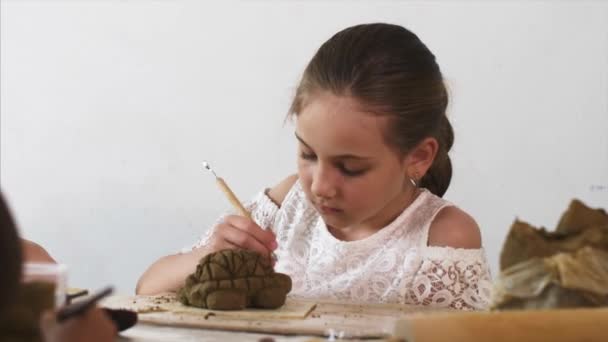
{"points": [[579, 218], [234, 280], [579, 226], [564, 280], [564, 268]]}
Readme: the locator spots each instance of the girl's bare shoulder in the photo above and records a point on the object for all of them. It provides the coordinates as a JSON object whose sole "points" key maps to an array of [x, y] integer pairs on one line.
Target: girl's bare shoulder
{"points": [[455, 228], [279, 191]]}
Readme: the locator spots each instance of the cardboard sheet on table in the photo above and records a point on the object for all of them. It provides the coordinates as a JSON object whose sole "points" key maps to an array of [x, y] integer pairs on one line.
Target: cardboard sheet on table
{"points": [[293, 309]]}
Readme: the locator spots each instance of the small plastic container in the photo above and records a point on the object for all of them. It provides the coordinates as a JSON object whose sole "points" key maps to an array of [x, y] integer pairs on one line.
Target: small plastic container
{"points": [[56, 274]]}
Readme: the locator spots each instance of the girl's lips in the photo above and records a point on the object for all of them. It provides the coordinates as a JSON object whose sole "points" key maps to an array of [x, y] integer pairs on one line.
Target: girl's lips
{"points": [[328, 210]]}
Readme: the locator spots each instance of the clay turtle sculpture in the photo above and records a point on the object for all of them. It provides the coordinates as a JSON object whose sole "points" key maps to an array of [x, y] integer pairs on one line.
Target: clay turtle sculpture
{"points": [[234, 280]]}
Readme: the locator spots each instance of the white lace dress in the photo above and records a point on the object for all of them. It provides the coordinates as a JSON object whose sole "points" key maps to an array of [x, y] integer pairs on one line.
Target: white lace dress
{"points": [[394, 265]]}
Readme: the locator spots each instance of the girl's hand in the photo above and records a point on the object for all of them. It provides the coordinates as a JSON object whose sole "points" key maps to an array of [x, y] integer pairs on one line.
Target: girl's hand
{"points": [[235, 232], [238, 232]]}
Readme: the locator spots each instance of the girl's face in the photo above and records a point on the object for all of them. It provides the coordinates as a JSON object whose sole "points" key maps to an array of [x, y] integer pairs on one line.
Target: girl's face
{"points": [[349, 173]]}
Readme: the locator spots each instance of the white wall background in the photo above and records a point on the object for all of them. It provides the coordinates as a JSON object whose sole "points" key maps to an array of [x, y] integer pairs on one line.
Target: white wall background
{"points": [[109, 107]]}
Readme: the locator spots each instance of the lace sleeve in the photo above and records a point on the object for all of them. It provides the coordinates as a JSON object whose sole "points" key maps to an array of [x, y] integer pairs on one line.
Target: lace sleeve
{"points": [[449, 278], [263, 211]]}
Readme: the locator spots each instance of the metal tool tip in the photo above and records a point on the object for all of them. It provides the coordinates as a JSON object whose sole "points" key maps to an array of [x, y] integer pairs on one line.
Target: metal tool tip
{"points": [[208, 167]]}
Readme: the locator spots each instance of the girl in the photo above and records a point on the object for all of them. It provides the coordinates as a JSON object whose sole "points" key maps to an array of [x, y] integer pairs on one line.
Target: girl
{"points": [[363, 219]]}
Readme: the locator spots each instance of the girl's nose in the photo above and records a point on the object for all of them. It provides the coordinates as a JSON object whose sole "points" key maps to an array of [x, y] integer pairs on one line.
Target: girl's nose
{"points": [[323, 185]]}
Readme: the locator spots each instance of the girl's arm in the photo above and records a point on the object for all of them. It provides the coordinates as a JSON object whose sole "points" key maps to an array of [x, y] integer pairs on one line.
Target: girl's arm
{"points": [[169, 273]]}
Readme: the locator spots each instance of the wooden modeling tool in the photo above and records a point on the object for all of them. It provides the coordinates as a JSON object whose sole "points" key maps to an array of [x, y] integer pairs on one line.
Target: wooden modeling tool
{"points": [[232, 198], [228, 192]]}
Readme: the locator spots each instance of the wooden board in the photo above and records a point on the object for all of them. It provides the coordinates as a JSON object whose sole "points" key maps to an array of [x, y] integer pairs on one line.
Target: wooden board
{"points": [[533, 325], [168, 303], [323, 318]]}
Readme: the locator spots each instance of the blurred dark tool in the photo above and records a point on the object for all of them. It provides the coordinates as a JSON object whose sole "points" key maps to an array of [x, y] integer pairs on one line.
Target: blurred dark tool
{"points": [[74, 293], [80, 307], [123, 319]]}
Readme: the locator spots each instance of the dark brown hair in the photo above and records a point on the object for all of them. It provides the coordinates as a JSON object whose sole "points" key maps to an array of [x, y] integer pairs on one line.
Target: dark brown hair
{"points": [[10, 256], [390, 72]]}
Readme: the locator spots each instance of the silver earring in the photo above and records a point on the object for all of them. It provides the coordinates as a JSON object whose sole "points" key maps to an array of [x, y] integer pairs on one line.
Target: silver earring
{"points": [[415, 180]]}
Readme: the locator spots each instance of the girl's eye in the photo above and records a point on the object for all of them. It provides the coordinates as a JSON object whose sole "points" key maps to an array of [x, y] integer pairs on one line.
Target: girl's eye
{"points": [[349, 172], [341, 167], [308, 156]]}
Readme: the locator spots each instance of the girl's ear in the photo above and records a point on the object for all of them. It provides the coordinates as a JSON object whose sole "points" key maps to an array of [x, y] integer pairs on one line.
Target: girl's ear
{"points": [[420, 158]]}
